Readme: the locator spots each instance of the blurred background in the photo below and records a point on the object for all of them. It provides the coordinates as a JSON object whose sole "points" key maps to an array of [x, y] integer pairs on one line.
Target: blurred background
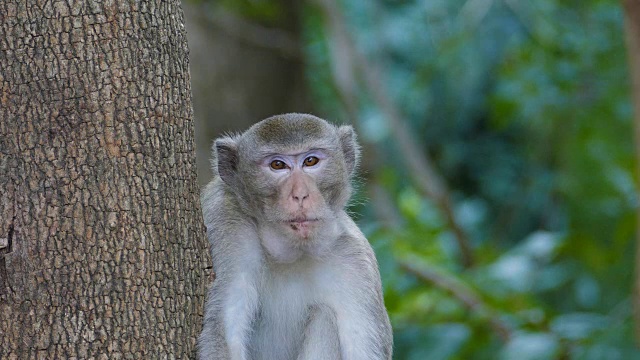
{"points": [[498, 185]]}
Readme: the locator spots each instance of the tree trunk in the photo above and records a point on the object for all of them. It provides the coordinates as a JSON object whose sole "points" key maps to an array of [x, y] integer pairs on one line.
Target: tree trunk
{"points": [[632, 29], [102, 245]]}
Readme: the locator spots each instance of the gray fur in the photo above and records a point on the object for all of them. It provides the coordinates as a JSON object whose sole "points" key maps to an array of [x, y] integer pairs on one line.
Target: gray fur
{"points": [[326, 301]]}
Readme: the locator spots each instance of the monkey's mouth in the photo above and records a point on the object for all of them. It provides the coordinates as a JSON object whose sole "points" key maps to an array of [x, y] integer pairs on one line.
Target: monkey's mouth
{"points": [[301, 222], [302, 225]]}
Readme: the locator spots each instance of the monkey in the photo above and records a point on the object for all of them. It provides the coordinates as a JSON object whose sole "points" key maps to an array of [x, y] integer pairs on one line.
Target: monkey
{"points": [[295, 277]]}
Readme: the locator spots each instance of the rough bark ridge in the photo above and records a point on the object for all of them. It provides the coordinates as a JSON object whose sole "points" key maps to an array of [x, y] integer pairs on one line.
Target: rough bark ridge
{"points": [[102, 247]]}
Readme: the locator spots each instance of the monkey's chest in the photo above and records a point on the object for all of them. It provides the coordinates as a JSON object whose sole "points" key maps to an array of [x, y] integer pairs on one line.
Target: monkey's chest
{"points": [[278, 331]]}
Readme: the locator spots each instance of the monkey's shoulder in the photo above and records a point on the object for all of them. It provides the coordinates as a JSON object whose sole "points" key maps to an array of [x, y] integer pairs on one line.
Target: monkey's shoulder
{"points": [[352, 238], [218, 203], [352, 244]]}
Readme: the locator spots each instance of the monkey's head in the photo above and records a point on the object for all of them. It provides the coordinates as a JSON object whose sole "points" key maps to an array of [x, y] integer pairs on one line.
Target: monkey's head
{"points": [[290, 172]]}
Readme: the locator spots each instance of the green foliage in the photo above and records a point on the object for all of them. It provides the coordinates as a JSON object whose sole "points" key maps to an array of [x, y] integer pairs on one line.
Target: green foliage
{"points": [[525, 108]]}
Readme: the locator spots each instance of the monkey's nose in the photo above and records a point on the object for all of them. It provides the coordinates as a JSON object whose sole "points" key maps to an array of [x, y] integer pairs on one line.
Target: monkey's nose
{"points": [[299, 198], [299, 188]]}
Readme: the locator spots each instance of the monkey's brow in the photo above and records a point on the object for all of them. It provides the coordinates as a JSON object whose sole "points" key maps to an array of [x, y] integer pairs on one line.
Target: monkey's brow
{"points": [[269, 153]]}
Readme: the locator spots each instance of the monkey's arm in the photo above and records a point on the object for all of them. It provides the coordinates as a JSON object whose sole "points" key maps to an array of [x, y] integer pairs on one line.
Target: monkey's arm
{"points": [[362, 320], [230, 310], [233, 300], [212, 344], [321, 335], [363, 324]]}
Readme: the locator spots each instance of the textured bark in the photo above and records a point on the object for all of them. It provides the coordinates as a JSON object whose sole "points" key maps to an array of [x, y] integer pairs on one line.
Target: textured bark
{"points": [[102, 246], [632, 29]]}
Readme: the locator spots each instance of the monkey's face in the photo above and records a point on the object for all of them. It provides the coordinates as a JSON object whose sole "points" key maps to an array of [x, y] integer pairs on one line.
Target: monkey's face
{"points": [[291, 173], [298, 189]]}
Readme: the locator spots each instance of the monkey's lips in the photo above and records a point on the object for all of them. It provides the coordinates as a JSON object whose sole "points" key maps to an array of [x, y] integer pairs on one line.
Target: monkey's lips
{"points": [[303, 226]]}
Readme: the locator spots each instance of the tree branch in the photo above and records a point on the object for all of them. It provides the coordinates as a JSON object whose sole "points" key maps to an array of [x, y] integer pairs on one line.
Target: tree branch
{"points": [[459, 291], [347, 61]]}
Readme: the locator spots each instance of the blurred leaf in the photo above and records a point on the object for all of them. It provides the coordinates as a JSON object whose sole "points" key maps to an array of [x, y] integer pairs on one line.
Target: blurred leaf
{"points": [[578, 326], [531, 346]]}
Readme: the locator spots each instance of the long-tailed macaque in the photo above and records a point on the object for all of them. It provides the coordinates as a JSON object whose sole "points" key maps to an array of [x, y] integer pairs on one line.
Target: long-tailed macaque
{"points": [[295, 277]]}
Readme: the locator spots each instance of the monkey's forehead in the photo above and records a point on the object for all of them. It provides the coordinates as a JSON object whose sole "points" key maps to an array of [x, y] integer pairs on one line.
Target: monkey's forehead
{"points": [[291, 131]]}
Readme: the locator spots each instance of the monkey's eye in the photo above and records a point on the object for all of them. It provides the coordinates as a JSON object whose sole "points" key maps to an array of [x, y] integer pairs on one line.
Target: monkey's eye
{"points": [[311, 161], [278, 165]]}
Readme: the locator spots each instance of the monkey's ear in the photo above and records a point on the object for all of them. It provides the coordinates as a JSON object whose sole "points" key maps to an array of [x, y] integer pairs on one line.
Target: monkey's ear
{"points": [[350, 147], [226, 154]]}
